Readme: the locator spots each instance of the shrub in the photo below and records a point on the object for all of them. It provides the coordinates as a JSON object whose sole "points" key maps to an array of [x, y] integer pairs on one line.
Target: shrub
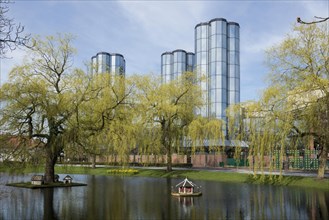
{"points": [[122, 171]]}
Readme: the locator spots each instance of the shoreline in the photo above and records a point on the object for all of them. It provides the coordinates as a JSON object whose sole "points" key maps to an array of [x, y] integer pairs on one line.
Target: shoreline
{"points": [[229, 175]]}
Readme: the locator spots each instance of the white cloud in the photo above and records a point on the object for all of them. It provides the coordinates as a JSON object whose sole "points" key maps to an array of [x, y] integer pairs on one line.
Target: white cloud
{"points": [[142, 30], [165, 24]]}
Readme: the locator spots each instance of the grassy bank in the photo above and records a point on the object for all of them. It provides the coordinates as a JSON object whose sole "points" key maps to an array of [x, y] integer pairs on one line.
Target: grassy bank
{"points": [[29, 185], [294, 181]]}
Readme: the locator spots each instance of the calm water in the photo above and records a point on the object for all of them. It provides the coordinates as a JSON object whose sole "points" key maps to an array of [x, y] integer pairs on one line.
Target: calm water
{"points": [[108, 197]]}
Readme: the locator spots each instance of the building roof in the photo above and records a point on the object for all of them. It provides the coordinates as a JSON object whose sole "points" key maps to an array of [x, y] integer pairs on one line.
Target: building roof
{"points": [[201, 24], [186, 183], [166, 53], [179, 50], [218, 19], [219, 142], [67, 177], [109, 54], [233, 23], [37, 178]]}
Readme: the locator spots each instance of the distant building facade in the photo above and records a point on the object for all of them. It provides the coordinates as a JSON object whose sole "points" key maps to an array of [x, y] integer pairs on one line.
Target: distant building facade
{"points": [[217, 51], [217, 59], [175, 63], [104, 62]]}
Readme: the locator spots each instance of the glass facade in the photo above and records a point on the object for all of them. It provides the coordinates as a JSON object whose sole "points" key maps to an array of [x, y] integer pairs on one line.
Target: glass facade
{"points": [[201, 64], [175, 63], [104, 62], [233, 63], [166, 67], [218, 59]]}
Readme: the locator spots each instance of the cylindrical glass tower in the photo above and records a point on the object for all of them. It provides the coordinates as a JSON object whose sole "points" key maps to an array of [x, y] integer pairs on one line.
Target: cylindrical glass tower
{"points": [[166, 67], [217, 59], [118, 64], [179, 63], [190, 62], [218, 68], [104, 62], [94, 65], [175, 63], [201, 64], [233, 63]]}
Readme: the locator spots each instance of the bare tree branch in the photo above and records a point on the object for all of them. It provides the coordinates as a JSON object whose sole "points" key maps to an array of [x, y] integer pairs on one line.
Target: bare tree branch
{"points": [[320, 19], [11, 34]]}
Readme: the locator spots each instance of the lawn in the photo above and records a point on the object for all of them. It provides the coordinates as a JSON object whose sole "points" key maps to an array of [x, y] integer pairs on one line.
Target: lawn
{"points": [[291, 181]]}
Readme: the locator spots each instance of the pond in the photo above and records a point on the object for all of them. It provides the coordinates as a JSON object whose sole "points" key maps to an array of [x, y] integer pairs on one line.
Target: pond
{"points": [[115, 197]]}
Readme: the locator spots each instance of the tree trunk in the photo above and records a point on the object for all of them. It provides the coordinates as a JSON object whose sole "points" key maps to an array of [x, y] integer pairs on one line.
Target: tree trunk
{"points": [[93, 162], [323, 162], [50, 166], [166, 143], [169, 161], [53, 149]]}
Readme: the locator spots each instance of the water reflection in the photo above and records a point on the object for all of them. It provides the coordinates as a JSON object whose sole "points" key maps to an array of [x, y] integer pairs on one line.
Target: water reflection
{"points": [[48, 204], [149, 198]]}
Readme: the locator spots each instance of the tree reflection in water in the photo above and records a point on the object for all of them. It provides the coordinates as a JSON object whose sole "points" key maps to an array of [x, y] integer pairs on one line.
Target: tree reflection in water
{"points": [[108, 197], [48, 204]]}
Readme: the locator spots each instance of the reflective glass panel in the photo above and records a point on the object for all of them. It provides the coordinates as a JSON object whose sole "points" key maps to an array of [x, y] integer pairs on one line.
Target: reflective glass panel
{"points": [[212, 96], [221, 41], [213, 40], [198, 58], [212, 55], [198, 32], [204, 59], [232, 30], [212, 68], [212, 81], [213, 28], [221, 27], [237, 97], [219, 80], [221, 55], [237, 84], [218, 108], [231, 97], [198, 45], [204, 45], [204, 32], [231, 72], [232, 45], [231, 83]]}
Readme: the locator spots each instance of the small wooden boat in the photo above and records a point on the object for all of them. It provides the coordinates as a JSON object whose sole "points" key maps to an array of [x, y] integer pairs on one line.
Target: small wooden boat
{"points": [[186, 188]]}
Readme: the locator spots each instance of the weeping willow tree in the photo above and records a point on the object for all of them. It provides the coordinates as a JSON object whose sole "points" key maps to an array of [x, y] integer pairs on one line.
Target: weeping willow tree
{"points": [[204, 131], [122, 136], [103, 125], [294, 109], [56, 106], [148, 143], [300, 68], [265, 127], [235, 130], [169, 107], [40, 98]]}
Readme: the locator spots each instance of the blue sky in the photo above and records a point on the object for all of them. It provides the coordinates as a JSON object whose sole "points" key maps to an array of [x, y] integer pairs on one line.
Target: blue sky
{"points": [[143, 30]]}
